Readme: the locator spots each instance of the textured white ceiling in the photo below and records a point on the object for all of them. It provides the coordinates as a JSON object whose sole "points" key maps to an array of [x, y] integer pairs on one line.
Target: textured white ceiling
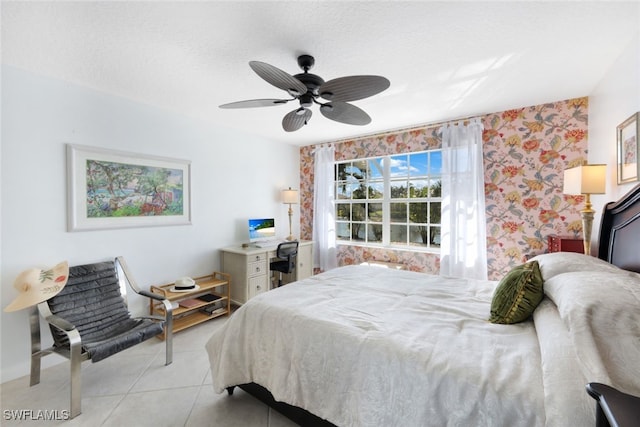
{"points": [[444, 59]]}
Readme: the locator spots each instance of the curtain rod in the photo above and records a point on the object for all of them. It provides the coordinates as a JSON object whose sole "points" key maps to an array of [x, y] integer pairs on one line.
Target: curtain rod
{"points": [[399, 130]]}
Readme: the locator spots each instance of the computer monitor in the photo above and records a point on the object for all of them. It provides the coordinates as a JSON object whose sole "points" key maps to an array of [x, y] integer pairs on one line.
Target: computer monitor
{"points": [[262, 229]]}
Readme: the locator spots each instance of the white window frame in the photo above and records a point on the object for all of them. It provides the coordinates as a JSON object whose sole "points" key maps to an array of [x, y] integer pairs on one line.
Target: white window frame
{"points": [[386, 179]]}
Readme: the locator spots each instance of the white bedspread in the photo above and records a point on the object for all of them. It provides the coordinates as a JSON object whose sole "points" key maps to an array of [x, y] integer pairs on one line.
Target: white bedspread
{"points": [[366, 346]]}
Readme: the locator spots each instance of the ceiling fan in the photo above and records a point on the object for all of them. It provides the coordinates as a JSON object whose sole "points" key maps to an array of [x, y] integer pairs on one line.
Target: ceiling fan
{"points": [[307, 88]]}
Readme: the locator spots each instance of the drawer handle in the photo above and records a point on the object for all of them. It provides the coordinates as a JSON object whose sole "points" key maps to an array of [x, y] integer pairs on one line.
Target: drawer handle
{"points": [[258, 287], [257, 269], [257, 257]]}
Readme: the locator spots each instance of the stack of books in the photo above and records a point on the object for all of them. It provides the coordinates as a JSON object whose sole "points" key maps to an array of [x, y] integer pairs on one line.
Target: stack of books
{"points": [[213, 309]]}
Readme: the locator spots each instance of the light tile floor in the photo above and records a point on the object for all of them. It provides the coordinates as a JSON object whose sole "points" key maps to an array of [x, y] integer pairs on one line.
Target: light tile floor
{"points": [[135, 388]]}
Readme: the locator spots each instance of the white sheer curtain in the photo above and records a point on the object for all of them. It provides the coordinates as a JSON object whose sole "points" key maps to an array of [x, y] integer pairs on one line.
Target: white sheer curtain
{"points": [[324, 225], [463, 250]]}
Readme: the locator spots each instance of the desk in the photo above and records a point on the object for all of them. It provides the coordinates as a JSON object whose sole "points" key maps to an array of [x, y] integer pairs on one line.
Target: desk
{"points": [[249, 269]]}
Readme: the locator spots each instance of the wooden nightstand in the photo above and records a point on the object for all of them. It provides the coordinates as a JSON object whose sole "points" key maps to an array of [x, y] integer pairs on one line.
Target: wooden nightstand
{"points": [[564, 244]]}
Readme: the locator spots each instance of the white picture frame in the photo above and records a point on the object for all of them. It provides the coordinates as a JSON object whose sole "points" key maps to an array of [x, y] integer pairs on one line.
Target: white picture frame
{"points": [[109, 189]]}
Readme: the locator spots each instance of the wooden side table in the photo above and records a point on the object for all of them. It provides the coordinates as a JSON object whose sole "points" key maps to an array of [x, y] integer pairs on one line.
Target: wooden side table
{"points": [[564, 244], [212, 291]]}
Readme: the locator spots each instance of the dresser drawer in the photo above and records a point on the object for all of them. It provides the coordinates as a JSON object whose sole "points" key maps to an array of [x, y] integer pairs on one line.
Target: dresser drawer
{"points": [[257, 268], [257, 257], [257, 285]]}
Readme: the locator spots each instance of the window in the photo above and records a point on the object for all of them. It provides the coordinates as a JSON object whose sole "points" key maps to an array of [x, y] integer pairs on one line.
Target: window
{"points": [[390, 200]]}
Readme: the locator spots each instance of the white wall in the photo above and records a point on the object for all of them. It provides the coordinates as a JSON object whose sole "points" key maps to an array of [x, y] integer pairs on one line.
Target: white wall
{"points": [[234, 177], [615, 98]]}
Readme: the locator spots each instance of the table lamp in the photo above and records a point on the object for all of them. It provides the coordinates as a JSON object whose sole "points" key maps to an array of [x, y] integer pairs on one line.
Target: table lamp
{"points": [[587, 180], [290, 197]]}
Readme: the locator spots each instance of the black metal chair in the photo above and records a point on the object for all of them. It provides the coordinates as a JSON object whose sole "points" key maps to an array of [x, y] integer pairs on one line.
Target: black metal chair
{"points": [[89, 320], [286, 262]]}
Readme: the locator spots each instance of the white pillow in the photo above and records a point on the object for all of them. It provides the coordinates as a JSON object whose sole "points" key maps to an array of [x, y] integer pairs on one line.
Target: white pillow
{"points": [[556, 263], [601, 310]]}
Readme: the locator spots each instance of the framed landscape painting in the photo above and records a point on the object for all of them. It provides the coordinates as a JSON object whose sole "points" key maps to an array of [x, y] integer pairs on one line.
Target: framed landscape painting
{"points": [[628, 148], [116, 189]]}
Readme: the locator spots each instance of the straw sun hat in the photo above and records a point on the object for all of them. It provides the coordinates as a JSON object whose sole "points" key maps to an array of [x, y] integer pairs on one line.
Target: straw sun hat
{"points": [[36, 285]]}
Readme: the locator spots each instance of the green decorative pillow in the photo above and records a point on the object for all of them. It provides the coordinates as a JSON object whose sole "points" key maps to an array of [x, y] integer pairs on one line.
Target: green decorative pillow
{"points": [[517, 294]]}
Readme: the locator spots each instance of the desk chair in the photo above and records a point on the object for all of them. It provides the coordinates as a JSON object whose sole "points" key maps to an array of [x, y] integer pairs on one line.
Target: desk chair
{"points": [[286, 262]]}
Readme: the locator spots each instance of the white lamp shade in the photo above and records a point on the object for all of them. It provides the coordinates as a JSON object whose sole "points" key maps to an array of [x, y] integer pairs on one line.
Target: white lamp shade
{"points": [[290, 196], [585, 179]]}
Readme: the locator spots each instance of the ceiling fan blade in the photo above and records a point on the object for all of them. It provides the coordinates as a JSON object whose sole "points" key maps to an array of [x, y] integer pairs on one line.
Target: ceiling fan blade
{"points": [[296, 119], [255, 103], [345, 113], [352, 88], [278, 78]]}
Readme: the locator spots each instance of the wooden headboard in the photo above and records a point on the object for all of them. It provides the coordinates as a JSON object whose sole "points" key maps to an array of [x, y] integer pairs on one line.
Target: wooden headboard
{"points": [[620, 232]]}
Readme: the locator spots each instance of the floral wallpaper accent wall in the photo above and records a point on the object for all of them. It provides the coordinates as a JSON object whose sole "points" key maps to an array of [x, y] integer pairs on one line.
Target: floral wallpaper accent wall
{"points": [[525, 153]]}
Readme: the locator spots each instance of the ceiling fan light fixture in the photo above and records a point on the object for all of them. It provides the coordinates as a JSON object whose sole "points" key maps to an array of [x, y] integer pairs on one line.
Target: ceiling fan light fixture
{"points": [[300, 111], [306, 100]]}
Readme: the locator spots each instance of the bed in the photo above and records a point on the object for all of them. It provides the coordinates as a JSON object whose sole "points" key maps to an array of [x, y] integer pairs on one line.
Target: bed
{"points": [[365, 346]]}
